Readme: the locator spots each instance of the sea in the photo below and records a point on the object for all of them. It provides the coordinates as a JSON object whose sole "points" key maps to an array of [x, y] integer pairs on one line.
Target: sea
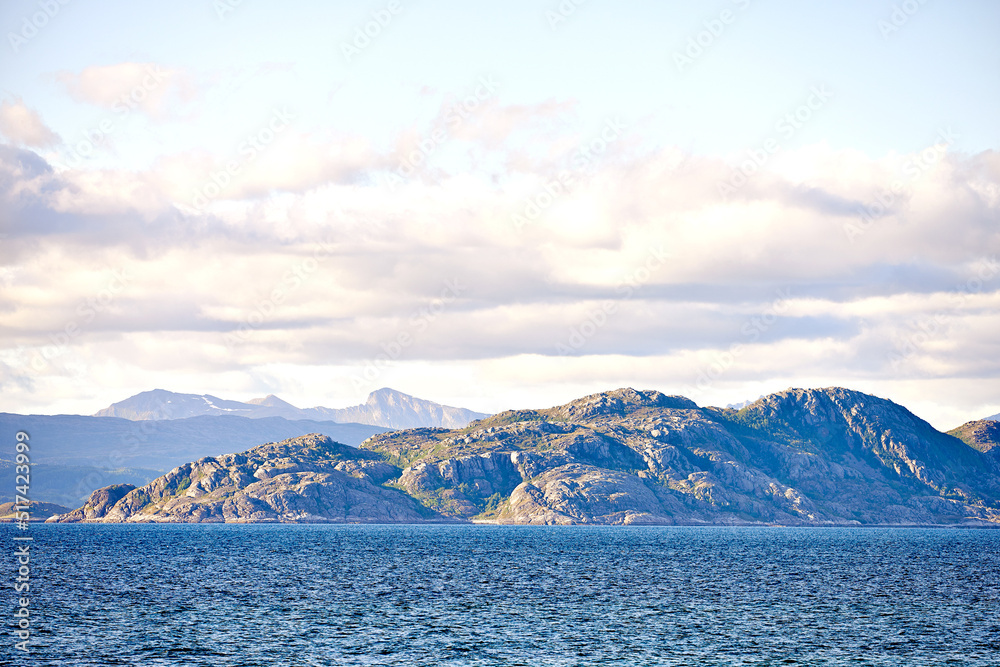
{"points": [[456, 595]]}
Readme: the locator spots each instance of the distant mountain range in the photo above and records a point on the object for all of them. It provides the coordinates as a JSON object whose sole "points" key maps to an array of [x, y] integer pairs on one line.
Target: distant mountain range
{"points": [[384, 407], [72, 454], [798, 457], [136, 440]]}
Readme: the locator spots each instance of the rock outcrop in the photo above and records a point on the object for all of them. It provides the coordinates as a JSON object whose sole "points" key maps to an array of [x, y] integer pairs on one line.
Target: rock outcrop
{"points": [[98, 505], [305, 479], [799, 457]]}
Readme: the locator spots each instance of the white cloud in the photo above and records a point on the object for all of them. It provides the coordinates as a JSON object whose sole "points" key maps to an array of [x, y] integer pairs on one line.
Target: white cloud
{"points": [[291, 162], [122, 87], [322, 268], [24, 126]]}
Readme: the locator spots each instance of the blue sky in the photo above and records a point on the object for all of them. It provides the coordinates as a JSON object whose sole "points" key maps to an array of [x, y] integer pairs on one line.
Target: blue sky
{"points": [[639, 242], [892, 91]]}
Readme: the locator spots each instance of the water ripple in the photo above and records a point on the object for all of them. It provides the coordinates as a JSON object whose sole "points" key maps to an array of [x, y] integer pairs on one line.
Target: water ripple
{"points": [[494, 595]]}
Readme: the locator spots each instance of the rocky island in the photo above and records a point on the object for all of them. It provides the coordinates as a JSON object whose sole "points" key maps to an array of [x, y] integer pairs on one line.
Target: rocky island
{"points": [[798, 457]]}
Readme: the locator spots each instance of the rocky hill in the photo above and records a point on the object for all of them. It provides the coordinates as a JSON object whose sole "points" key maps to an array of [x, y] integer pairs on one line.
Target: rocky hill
{"points": [[305, 479], [982, 434], [385, 407], [798, 457]]}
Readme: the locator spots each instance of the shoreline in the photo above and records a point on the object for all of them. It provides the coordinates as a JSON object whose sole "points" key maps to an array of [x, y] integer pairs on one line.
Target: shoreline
{"points": [[482, 522]]}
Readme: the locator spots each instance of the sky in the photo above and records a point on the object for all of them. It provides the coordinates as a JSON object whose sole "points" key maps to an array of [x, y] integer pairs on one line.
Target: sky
{"points": [[499, 205]]}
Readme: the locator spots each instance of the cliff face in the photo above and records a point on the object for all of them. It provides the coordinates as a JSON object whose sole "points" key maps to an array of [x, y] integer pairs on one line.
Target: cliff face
{"points": [[620, 457]]}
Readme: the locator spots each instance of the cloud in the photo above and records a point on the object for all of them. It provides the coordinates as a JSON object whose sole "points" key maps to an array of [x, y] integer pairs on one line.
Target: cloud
{"points": [[292, 162], [149, 87], [308, 257], [24, 126]]}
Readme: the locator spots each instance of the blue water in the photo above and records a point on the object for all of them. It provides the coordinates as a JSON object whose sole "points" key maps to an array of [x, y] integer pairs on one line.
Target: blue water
{"points": [[491, 595]]}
